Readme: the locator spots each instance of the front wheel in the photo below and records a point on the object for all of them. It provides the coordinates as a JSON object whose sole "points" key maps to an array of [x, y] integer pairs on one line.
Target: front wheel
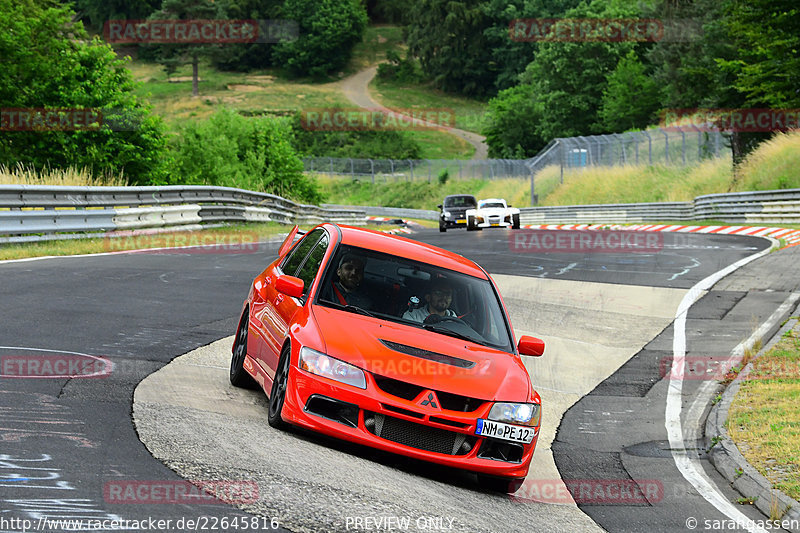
{"points": [[442, 227], [238, 375], [515, 221], [277, 395], [471, 224]]}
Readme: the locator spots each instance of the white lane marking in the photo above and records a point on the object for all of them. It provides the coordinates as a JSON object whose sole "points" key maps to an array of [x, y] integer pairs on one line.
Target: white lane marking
{"points": [[690, 467]]}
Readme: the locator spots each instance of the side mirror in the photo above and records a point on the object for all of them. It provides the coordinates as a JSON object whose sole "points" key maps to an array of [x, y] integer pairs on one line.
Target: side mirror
{"points": [[439, 206], [530, 346], [290, 286]]}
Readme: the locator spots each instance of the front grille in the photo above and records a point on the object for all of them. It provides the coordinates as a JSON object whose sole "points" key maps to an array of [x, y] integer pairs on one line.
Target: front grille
{"points": [[418, 436], [408, 391], [398, 388]]}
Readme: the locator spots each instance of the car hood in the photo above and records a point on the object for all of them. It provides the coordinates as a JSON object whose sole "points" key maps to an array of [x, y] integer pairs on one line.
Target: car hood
{"points": [[423, 358]]}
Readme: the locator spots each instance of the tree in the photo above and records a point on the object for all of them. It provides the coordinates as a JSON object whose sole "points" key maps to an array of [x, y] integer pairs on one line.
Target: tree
{"points": [[170, 56], [328, 31], [630, 99], [247, 56], [510, 123], [255, 153], [447, 36], [97, 12], [767, 36], [51, 66]]}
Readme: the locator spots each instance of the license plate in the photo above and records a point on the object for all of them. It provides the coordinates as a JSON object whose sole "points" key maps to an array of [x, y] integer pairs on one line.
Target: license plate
{"points": [[461, 221], [500, 430], [495, 224]]}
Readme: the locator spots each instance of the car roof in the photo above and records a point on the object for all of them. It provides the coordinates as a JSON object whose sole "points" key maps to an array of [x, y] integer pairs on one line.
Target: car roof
{"points": [[407, 248], [492, 200], [459, 196]]}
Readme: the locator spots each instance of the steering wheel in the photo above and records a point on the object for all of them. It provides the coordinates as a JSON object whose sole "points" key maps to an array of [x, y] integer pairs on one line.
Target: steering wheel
{"points": [[435, 319]]}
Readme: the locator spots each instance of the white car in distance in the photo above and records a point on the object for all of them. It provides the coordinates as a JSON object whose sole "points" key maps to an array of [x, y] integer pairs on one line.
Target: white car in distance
{"points": [[492, 212]]}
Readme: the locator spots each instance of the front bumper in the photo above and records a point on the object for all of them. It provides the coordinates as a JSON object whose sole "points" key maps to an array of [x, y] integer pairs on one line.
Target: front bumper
{"points": [[493, 221], [375, 418]]}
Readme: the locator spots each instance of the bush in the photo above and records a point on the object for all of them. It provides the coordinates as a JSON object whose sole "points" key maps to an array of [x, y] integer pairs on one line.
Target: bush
{"points": [[403, 70], [50, 62], [355, 144], [250, 153], [328, 31]]}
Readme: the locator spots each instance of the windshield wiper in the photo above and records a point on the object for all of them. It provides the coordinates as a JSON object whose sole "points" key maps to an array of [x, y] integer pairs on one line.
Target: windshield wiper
{"points": [[450, 332], [351, 308]]}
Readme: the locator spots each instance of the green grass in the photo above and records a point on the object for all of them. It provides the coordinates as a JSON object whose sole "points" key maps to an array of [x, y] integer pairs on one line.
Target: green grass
{"points": [[764, 419], [441, 145], [469, 112], [253, 92], [419, 194]]}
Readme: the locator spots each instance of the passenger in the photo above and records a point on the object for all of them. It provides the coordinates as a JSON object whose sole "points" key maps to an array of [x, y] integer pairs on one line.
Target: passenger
{"points": [[438, 299]]}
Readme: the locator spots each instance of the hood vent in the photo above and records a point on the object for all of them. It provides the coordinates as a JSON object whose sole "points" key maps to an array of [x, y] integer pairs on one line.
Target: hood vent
{"points": [[427, 354]]}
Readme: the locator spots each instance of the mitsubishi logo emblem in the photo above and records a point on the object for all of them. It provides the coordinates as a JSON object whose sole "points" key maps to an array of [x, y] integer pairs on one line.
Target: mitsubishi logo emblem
{"points": [[431, 400]]}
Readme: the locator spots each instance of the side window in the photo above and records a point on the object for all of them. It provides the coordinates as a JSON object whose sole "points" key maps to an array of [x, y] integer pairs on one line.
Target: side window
{"points": [[308, 270], [299, 253]]}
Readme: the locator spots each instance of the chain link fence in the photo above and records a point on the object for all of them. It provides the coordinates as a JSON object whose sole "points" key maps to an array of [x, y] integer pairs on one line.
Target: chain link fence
{"points": [[650, 147], [384, 170], [676, 147]]}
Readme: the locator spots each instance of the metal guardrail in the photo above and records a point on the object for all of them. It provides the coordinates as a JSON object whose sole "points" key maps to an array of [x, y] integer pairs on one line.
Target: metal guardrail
{"points": [[30, 213], [35, 212]]}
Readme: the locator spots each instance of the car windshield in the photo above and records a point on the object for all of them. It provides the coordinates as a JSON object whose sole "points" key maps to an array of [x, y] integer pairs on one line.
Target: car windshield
{"points": [[459, 201], [401, 290], [485, 205]]}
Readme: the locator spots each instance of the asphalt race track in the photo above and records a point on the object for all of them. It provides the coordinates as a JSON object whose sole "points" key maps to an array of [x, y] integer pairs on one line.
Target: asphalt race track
{"points": [[69, 444]]}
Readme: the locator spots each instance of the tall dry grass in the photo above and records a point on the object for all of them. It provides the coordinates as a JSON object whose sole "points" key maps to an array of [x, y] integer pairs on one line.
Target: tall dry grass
{"points": [[21, 175], [773, 165]]}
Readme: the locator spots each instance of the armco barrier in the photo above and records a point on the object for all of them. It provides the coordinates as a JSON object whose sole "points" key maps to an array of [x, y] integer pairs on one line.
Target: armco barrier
{"points": [[28, 212], [35, 212]]}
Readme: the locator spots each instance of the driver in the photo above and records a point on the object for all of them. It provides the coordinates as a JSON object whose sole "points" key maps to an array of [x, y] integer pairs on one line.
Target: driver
{"points": [[437, 300], [348, 290]]}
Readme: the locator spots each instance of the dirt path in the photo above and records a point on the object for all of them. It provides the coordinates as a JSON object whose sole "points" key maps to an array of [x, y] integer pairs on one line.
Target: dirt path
{"points": [[356, 89]]}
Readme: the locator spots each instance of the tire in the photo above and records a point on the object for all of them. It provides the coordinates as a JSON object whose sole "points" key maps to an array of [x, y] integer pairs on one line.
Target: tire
{"points": [[238, 375], [277, 395], [471, 224], [506, 485], [515, 221], [442, 227]]}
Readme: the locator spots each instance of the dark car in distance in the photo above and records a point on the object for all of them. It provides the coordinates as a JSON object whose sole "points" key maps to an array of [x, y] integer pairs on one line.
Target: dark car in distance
{"points": [[453, 210]]}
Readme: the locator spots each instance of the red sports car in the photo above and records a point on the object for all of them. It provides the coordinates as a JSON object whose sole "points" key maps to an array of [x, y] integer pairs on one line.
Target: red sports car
{"points": [[391, 343]]}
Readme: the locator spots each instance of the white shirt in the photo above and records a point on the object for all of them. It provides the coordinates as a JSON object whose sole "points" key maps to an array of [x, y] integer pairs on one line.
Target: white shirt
{"points": [[421, 313]]}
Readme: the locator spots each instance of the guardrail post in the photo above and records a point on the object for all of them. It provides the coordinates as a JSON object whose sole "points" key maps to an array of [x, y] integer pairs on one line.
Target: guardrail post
{"points": [[411, 164], [372, 170]]}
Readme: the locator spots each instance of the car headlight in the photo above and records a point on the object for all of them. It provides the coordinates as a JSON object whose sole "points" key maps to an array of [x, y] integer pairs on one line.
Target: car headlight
{"points": [[447, 214], [328, 367], [523, 414]]}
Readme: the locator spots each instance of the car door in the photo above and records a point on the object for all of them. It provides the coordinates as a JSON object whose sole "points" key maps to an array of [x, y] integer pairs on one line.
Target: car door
{"points": [[266, 312], [304, 262]]}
